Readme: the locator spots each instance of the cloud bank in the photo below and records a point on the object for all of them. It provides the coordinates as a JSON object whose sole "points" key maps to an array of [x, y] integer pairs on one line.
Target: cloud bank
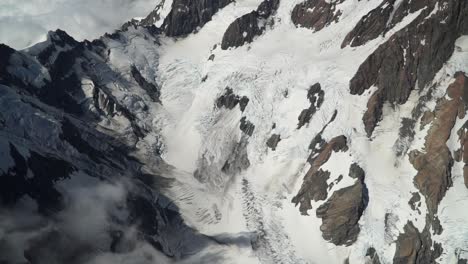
{"points": [[26, 22]]}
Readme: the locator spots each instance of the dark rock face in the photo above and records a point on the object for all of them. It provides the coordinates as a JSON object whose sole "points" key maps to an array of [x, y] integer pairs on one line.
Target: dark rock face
{"points": [[315, 14], [245, 28], [415, 202], [305, 116], [370, 26], [230, 100], [373, 256], [5, 53], [394, 70], [341, 213], [315, 94], [243, 102], [242, 30], [186, 16], [309, 187], [415, 247], [34, 176], [273, 141], [150, 88], [356, 172], [62, 144], [315, 188], [246, 126]]}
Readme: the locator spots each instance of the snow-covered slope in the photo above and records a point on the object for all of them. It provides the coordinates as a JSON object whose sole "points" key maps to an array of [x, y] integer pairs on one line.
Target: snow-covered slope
{"points": [[242, 132]]}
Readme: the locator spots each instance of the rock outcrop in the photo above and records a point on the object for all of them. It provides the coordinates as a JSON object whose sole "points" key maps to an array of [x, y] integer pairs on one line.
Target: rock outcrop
{"points": [[245, 28], [341, 213], [151, 89], [310, 189], [434, 166], [415, 247], [246, 126], [371, 25], [315, 95], [273, 141], [394, 69], [316, 14], [230, 100], [372, 256], [186, 16], [461, 155]]}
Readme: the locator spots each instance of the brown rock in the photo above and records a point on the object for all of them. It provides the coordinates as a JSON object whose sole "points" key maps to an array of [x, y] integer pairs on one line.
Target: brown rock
{"points": [[394, 70], [427, 118], [186, 16], [341, 213], [245, 28], [434, 166], [413, 247], [308, 190], [315, 14], [373, 115], [371, 25], [315, 188]]}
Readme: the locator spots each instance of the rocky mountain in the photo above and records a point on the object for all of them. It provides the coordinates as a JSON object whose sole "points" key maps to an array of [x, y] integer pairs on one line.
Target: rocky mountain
{"points": [[248, 131]]}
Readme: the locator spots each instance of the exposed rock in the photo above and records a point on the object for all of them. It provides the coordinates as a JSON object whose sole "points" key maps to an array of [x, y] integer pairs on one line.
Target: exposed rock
{"points": [[315, 188], [336, 181], [373, 256], [242, 30], [150, 88], [356, 172], [317, 143], [434, 166], [373, 115], [415, 247], [415, 202], [243, 102], [186, 16], [5, 53], [341, 213], [315, 95], [245, 28], [461, 155], [308, 191], [305, 116], [34, 176], [272, 142], [371, 25], [316, 14], [230, 100], [246, 126], [394, 70], [154, 16], [427, 118]]}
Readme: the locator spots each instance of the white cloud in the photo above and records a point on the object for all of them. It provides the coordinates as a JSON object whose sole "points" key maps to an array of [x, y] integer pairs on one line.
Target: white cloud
{"points": [[26, 22]]}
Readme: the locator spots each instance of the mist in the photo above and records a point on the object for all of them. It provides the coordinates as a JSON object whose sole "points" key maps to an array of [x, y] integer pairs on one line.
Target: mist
{"points": [[26, 22]]}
